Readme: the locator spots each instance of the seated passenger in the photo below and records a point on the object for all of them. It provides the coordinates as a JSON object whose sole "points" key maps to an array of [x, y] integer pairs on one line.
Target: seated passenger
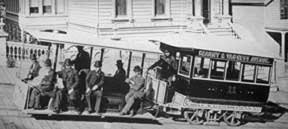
{"points": [[70, 91], [136, 91], [43, 85], [94, 83], [33, 69]]}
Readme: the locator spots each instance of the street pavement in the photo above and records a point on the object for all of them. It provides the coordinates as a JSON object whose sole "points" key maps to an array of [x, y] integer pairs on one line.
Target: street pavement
{"points": [[274, 117]]}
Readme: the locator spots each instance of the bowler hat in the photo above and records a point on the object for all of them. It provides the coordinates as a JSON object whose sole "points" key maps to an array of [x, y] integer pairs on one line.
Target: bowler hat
{"points": [[119, 62], [33, 57], [137, 68], [68, 62], [98, 63], [48, 62]]}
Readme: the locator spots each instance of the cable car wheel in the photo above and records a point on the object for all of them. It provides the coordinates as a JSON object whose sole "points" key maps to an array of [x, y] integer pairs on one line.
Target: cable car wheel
{"points": [[195, 117], [232, 118]]}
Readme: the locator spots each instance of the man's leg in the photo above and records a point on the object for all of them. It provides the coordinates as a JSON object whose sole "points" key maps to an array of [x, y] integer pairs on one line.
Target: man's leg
{"points": [[129, 95], [88, 99], [58, 102], [128, 105], [98, 95]]}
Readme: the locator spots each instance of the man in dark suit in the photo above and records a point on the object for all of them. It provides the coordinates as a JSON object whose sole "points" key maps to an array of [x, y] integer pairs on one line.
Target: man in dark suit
{"points": [[70, 91], [82, 60], [120, 74], [94, 85]]}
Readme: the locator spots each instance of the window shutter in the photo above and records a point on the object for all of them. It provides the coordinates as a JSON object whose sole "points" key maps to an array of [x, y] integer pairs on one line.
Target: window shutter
{"points": [[34, 3]]}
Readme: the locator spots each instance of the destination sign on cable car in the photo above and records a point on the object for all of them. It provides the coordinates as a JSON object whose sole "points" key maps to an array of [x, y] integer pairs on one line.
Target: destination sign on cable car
{"points": [[234, 57]]}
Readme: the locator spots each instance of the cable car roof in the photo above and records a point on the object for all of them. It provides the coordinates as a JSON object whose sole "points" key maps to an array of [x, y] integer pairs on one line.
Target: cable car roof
{"points": [[142, 43], [214, 43], [88, 39]]}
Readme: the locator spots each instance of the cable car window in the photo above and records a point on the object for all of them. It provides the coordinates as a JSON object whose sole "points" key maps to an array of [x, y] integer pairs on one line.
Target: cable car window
{"points": [[201, 67], [263, 74], [233, 71], [185, 65], [248, 73], [218, 69]]}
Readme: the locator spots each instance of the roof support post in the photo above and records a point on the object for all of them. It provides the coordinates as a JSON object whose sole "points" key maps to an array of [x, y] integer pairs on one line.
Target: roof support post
{"points": [[91, 53], [56, 57], [129, 64], [102, 54], [142, 62]]}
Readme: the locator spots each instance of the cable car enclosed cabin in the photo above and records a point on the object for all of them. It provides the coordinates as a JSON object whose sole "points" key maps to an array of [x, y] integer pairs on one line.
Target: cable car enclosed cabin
{"points": [[220, 71]]}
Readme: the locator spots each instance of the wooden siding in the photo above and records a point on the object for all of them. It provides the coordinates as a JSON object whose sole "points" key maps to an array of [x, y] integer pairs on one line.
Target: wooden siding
{"points": [[272, 16], [83, 12]]}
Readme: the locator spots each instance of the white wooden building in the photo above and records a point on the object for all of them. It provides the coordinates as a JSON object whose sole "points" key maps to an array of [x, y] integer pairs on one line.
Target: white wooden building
{"points": [[126, 18]]}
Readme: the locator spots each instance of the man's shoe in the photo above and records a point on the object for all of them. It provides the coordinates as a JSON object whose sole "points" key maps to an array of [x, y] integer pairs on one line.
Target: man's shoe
{"points": [[122, 113], [132, 113], [90, 111]]}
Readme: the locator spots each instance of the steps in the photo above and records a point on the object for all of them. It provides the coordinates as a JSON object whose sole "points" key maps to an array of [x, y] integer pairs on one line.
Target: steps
{"points": [[222, 31]]}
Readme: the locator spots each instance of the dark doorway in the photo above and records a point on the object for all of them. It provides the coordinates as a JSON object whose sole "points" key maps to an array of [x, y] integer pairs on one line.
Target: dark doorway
{"points": [[206, 11]]}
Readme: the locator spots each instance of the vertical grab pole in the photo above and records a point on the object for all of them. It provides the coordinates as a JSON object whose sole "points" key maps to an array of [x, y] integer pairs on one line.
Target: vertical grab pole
{"points": [[91, 55], [129, 64], [102, 54], [56, 57], [142, 62]]}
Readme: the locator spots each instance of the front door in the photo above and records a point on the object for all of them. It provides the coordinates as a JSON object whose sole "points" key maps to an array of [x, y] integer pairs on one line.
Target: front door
{"points": [[206, 11]]}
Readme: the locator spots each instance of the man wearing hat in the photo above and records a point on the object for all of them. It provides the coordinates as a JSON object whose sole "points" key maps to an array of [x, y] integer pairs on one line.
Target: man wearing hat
{"points": [[94, 83], [120, 74], [43, 85], [82, 60], [136, 91], [71, 88], [33, 69]]}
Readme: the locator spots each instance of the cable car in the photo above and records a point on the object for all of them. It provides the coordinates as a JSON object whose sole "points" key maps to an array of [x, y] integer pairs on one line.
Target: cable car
{"points": [[217, 79], [113, 94]]}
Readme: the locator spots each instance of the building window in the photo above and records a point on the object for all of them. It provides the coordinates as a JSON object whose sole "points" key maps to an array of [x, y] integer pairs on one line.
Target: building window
{"points": [[263, 73], [201, 67], [34, 7], [185, 66], [47, 6], [248, 73], [218, 69], [159, 8], [284, 9], [120, 8]]}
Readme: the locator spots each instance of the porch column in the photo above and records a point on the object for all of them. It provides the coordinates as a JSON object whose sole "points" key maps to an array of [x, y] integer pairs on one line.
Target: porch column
{"points": [[226, 7], [283, 45], [198, 8], [3, 39]]}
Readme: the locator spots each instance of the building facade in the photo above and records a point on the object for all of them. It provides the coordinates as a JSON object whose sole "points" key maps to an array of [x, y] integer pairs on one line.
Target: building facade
{"points": [[276, 14], [34, 14], [104, 17]]}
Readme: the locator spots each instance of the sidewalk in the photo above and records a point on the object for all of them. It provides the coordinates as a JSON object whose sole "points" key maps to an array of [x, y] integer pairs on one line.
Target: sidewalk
{"points": [[9, 75]]}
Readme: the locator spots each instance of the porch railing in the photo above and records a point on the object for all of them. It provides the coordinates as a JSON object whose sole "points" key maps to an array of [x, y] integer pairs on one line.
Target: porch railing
{"points": [[22, 51]]}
